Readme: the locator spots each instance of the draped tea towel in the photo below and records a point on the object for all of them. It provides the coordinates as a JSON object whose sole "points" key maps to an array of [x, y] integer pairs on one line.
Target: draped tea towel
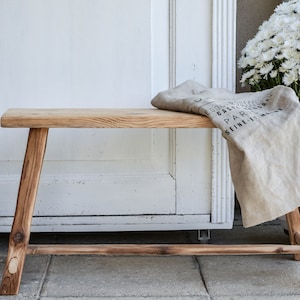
{"points": [[262, 130]]}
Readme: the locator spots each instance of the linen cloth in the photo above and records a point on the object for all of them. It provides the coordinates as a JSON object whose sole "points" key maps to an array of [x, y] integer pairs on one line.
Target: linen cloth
{"points": [[263, 134]]}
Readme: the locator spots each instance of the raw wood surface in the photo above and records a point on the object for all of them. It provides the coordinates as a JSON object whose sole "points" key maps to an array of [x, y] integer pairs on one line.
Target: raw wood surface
{"points": [[162, 249], [297, 238], [101, 118], [39, 120], [293, 221], [20, 233]]}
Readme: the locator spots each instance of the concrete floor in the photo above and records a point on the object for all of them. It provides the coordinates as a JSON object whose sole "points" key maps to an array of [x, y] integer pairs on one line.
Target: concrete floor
{"points": [[171, 278]]}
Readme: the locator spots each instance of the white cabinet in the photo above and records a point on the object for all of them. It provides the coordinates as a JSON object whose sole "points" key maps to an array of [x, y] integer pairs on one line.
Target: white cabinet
{"points": [[110, 53]]}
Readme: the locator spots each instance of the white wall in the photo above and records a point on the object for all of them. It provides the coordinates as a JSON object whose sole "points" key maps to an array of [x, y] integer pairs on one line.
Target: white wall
{"points": [[194, 41], [74, 53], [102, 53], [58, 53]]}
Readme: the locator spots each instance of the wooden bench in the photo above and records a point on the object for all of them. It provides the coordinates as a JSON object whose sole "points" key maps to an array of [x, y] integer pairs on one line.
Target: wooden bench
{"points": [[39, 121]]}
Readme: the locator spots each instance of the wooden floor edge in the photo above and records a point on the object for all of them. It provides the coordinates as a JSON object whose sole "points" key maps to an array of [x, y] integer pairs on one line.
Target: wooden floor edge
{"points": [[162, 249]]}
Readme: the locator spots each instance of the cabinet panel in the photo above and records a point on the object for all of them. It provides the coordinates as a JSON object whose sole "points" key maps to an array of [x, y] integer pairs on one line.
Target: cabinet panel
{"points": [[107, 53]]}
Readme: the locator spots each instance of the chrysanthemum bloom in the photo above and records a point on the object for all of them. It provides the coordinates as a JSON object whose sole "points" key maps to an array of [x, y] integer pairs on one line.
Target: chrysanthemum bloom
{"points": [[272, 57]]}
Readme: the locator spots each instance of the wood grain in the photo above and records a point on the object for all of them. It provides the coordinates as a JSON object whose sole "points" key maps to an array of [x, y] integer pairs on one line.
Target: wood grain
{"points": [[39, 121], [102, 118], [20, 233], [162, 249], [293, 221]]}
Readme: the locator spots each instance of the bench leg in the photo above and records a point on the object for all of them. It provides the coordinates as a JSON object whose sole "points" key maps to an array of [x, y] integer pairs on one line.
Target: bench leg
{"points": [[20, 232], [293, 221]]}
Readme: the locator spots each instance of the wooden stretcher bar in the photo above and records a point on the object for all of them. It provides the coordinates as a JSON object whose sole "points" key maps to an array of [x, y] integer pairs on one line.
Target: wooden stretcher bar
{"points": [[39, 121]]}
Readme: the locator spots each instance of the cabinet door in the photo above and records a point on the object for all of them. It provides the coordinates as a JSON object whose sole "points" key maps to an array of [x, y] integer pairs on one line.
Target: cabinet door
{"points": [[105, 53]]}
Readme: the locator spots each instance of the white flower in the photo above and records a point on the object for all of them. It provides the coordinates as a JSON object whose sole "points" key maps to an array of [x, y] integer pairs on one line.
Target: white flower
{"points": [[269, 55], [297, 8], [278, 40], [274, 74], [285, 8], [266, 69], [255, 79], [247, 75], [295, 26], [279, 56], [289, 53], [273, 56], [247, 61], [287, 65], [259, 64], [290, 77]]}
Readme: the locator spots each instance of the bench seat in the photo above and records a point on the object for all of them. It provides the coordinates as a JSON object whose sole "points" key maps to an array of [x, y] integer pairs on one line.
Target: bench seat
{"points": [[39, 121], [102, 118]]}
